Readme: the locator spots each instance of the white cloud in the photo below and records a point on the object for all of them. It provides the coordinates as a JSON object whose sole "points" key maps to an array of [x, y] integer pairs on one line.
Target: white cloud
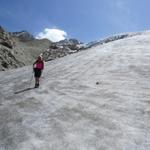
{"points": [[54, 35]]}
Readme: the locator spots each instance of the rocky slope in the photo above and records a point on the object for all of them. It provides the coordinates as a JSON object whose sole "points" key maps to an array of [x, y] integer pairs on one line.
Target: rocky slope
{"points": [[19, 49], [7, 45]]}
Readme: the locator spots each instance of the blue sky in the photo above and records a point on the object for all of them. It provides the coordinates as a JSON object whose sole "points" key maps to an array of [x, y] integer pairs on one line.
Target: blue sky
{"points": [[86, 20]]}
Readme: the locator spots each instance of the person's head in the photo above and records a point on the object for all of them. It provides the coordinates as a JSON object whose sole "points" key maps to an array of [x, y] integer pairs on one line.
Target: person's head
{"points": [[39, 58]]}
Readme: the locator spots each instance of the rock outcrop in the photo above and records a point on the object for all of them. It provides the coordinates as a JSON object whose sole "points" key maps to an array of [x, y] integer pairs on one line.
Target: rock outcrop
{"points": [[61, 49], [5, 38]]}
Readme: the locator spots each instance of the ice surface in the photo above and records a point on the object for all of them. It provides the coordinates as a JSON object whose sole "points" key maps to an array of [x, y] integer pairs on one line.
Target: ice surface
{"points": [[70, 111]]}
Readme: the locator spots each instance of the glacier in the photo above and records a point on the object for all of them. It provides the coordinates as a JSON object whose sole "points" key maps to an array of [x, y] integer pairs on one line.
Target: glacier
{"points": [[69, 111]]}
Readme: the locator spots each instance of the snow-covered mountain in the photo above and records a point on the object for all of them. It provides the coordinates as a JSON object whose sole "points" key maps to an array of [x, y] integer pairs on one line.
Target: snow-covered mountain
{"points": [[68, 42], [109, 39], [98, 99]]}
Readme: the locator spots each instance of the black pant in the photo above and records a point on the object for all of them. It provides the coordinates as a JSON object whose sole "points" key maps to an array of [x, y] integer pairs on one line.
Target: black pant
{"points": [[37, 73]]}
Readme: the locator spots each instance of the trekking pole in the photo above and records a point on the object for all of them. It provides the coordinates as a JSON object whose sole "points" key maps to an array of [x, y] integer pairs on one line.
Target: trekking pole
{"points": [[31, 80]]}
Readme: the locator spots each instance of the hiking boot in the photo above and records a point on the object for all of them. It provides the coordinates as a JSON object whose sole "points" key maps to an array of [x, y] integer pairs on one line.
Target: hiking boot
{"points": [[37, 85]]}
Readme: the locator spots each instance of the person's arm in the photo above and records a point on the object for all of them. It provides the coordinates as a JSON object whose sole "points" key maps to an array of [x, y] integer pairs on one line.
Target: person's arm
{"points": [[34, 63]]}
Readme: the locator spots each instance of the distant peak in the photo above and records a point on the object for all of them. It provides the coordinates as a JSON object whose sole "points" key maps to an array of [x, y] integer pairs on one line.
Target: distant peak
{"points": [[23, 35]]}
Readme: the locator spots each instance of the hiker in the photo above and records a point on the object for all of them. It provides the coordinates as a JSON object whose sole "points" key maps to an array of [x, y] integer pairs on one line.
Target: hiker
{"points": [[38, 66]]}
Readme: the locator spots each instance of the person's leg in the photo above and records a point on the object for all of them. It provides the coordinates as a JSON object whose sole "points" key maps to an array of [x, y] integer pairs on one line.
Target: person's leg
{"points": [[38, 79], [36, 82], [37, 76]]}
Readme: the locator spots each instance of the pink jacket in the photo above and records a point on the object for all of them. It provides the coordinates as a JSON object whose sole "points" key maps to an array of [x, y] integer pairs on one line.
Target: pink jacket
{"points": [[39, 65]]}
